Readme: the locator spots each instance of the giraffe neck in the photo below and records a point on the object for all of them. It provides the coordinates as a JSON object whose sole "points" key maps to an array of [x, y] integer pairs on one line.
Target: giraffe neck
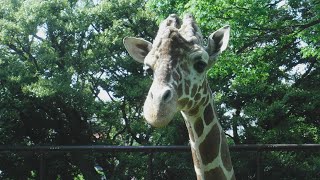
{"points": [[209, 146]]}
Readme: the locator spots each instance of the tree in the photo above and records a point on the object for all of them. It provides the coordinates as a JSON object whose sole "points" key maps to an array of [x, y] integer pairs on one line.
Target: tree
{"points": [[58, 56]]}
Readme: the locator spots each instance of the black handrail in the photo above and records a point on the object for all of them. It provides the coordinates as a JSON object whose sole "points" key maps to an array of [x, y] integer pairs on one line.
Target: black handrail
{"points": [[258, 148], [105, 148], [274, 147], [108, 148]]}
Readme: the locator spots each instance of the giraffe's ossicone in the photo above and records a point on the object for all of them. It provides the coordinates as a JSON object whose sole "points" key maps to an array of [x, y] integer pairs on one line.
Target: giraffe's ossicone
{"points": [[179, 61]]}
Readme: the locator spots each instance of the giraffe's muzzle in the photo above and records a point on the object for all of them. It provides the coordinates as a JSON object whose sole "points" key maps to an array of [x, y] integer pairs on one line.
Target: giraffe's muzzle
{"points": [[160, 106]]}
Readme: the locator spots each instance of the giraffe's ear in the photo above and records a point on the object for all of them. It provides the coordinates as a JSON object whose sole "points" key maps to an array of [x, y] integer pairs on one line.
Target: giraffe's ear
{"points": [[137, 48], [218, 41]]}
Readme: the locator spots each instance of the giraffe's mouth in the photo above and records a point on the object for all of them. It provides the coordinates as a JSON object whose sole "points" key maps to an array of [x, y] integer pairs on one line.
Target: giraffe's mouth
{"points": [[159, 116], [160, 107]]}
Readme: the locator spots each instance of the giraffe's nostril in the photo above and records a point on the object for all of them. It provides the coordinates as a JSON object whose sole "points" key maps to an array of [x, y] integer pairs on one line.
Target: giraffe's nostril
{"points": [[167, 95]]}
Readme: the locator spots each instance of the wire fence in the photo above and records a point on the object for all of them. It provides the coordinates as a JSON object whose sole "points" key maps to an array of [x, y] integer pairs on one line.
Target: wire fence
{"points": [[150, 150]]}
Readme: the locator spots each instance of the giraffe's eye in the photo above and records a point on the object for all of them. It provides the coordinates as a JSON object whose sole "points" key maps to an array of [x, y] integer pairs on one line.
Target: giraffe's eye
{"points": [[200, 66], [147, 70]]}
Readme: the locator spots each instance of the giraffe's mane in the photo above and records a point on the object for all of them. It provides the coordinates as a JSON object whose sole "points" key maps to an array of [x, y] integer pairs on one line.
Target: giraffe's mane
{"points": [[188, 29]]}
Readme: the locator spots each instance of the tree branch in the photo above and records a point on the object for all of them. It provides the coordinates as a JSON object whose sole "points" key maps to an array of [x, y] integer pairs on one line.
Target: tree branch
{"points": [[305, 26], [313, 62], [118, 133], [127, 123], [229, 136]]}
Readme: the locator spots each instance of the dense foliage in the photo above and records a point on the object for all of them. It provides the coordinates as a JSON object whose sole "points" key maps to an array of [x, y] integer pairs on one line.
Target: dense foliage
{"points": [[66, 79]]}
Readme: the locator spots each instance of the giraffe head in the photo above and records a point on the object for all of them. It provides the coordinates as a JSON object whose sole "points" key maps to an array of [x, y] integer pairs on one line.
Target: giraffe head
{"points": [[179, 61]]}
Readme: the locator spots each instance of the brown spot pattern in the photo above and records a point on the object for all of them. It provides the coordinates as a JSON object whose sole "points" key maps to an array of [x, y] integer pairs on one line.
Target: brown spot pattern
{"points": [[209, 148], [190, 104], [184, 67], [186, 87], [204, 87], [207, 100], [183, 102], [198, 126], [175, 58], [208, 114], [179, 90], [174, 63], [216, 173], [225, 155], [167, 75], [197, 97], [194, 90], [203, 100], [176, 76], [193, 111]]}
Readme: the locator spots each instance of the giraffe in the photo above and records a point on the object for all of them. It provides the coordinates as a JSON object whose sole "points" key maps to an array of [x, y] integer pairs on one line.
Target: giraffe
{"points": [[179, 61]]}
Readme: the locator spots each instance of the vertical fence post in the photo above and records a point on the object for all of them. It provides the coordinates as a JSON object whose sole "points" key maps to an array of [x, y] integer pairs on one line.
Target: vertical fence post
{"points": [[259, 165], [150, 166], [42, 166]]}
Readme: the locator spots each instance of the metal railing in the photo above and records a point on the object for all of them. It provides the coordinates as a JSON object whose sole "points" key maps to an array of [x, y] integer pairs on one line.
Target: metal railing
{"points": [[258, 148]]}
